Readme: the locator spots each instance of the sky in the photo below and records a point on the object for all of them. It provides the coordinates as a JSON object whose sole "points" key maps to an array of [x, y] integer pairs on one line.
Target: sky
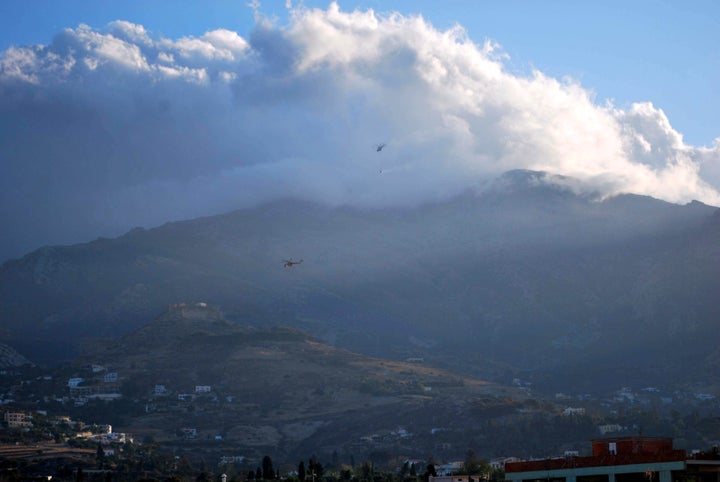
{"points": [[116, 114]]}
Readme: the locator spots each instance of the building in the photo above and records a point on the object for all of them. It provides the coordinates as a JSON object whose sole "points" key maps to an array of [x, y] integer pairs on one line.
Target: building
{"points": [[447, 470], [609, 428], [75, 382], [623, 459], [17, 419], [455, 478], [231, 459], [110, 377]]}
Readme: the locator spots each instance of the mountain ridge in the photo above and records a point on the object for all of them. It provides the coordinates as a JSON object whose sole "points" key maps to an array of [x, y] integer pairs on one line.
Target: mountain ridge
{"points": [[538, 274]]}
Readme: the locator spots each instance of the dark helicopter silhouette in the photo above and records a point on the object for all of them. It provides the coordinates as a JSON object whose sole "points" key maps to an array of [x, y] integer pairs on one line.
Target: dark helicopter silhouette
{"points": [[289, 263], [379, 147]]}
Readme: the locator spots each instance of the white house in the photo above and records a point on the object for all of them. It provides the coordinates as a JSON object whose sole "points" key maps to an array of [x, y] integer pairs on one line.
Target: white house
{"points": [[609, 428], [110, 377], [75, 382]]}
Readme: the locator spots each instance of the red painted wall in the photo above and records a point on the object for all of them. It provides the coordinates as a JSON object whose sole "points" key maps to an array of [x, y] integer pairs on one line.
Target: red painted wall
{"points": [[632, 445]]}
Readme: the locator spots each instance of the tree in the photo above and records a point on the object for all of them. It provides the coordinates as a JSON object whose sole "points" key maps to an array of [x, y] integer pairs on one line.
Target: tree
{"points": [[268, 472], [346, 473], [472, 464], [315, 468], [301, 471], [429, 470], [100, 455], [202, 477], [366, 471]]}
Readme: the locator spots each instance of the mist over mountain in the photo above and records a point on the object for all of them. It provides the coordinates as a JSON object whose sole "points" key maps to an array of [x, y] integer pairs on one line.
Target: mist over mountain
{"points": [[523, 278], [110, 127]]}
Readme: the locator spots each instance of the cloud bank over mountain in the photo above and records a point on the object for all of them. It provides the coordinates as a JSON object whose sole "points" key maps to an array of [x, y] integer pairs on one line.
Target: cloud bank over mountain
{"points": [[107, 129]]}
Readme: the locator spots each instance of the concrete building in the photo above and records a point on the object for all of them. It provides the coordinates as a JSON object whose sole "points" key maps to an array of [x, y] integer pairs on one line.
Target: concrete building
{"points": [[17, 419], [623, 459], [455, 478]]}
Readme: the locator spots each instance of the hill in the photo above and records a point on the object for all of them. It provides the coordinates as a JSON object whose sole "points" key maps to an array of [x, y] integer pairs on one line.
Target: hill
{"points": [[228, 388]]}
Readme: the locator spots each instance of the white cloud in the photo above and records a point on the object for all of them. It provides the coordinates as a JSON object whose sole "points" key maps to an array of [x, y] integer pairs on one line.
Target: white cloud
{"points": [[102, 48], [19, 64], [130, 32], [227, 40], [117, 116]]}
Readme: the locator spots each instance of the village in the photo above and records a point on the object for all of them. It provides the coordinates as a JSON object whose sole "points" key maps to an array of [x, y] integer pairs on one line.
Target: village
{"points": [[58, 415]]}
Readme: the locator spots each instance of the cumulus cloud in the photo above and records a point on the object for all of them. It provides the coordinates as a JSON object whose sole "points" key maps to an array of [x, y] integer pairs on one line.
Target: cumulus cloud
{"points": [[112, 128]]}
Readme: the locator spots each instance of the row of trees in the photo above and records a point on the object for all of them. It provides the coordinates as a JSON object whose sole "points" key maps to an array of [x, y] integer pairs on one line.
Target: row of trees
{"points": [[314, 471], [147, 463], [266, 472]]}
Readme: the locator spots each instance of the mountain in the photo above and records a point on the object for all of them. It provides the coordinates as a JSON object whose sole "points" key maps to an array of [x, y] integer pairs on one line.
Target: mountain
{"points": [[523, 278]]}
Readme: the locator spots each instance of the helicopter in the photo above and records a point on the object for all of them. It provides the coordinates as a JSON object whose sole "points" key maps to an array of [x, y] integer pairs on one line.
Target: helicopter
{"points": [[289, 263], [379, 147]]}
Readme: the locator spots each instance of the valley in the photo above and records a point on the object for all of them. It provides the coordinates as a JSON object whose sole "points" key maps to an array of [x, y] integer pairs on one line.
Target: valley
{"points": [[520, 320]]}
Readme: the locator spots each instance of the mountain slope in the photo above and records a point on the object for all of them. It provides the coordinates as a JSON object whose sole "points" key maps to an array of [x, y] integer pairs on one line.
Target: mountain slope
{"points": [[9, 357], [278, 390], [524, 277]]}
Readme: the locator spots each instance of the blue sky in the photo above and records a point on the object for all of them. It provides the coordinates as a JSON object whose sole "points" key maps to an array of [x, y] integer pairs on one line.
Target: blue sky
{"points": [[665, 52], [136, 113]]}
